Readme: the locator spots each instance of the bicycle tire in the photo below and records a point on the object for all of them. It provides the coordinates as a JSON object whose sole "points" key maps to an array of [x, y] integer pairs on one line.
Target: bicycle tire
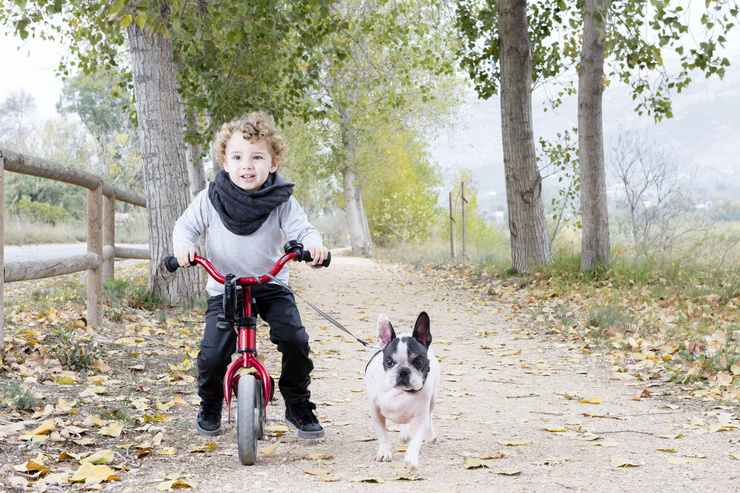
{"points": [[247, 401]]}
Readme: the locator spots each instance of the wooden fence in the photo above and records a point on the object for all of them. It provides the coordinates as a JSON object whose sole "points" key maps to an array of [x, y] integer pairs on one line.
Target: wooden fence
{"points": [[101, 232]]}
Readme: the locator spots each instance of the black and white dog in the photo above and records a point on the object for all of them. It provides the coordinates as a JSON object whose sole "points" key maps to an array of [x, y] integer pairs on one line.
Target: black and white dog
{"points": [[402, 381]]}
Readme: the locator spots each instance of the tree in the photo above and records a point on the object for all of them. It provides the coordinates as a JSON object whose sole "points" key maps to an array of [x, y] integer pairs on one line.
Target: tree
{"points": [[158, 29], [595, 233], [505, 50], [638, 33], [15, 114], [393, 59]]}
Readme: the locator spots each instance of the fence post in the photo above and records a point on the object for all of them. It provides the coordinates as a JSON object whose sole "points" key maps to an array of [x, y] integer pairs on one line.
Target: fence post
{"points": [[452, 229], [109, 236], [463, 201], [94, 245], [2, 255]]}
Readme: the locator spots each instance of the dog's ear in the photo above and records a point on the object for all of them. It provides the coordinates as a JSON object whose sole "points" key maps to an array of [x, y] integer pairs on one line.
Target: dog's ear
{"points": [[421, 330], [385, 330]]}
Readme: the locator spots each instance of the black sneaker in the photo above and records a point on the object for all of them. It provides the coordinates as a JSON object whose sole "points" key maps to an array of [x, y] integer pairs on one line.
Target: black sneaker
{"points": [[303, 419], [209, 418]]}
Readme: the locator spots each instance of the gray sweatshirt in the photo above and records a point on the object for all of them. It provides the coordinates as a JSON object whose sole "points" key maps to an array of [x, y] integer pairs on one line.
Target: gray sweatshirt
{"points": [[243, 255]]}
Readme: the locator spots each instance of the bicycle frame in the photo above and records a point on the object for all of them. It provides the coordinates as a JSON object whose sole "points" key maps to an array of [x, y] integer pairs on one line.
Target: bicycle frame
{"points": [[246, 335]]}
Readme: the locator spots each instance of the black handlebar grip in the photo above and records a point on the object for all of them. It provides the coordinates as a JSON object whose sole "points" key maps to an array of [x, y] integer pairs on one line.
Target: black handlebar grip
{"points": [[307, 258], [171, 263]]}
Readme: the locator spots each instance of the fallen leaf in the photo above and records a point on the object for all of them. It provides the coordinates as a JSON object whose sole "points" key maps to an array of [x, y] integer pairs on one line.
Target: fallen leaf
{"points": [[319, 456], [113, 429], [174, 484], [276, 430], [556, 430], [44, 428], [92, 474], [167, 451], [624, 463], [322, 474], [593, 400], [269, 450], [509, 472], [367, 480], [495, 455], [474, 463], [99, 457], [206, 447], [667, 450]]}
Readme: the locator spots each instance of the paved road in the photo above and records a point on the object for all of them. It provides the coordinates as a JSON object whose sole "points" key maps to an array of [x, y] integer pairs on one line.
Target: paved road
{"points": [[49, 251]]}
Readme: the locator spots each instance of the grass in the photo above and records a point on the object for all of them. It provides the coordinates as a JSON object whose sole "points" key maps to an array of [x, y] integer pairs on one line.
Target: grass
{"points": [[23, 232], [74, 352], [19, 397]]}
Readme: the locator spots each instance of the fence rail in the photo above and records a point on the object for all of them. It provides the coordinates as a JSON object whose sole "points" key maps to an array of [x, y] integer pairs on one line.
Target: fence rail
{"points": [[101, 226]]}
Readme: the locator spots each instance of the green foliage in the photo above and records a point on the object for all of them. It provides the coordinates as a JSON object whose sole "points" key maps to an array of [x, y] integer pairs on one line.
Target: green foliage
{"points": [[20, 397], [41, 211], [134, 294], [560, 158], [639, 33], [73, 351], [399, 183]]}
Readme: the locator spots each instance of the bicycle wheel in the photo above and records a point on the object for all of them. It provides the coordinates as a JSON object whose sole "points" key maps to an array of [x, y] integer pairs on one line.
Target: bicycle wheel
{"points": [[247, 417], [260, 412]]}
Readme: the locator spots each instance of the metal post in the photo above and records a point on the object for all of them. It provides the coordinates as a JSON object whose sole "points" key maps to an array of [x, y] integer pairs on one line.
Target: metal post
{"points": [[452, 230], [463, 201]]}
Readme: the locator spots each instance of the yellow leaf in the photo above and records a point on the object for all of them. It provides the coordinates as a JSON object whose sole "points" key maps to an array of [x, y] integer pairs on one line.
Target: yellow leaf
{"points": [[167, 451], [514, 443], [174, 484], [592, 400], [735, 455], [509, 472], [99, 457], [494, 455], [93, 420], [322, 474], [206, 447], [269, 450], [276, 430], [624, 463], [556, 430], [667, 450], [474, 463], [32, 466], [92, 474], [44, 428], [112, 430], [319, 456], [67, 378]]}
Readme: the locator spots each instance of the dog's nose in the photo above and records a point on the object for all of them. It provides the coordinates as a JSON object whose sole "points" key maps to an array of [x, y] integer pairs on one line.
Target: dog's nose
{"points": [[404, 373]]}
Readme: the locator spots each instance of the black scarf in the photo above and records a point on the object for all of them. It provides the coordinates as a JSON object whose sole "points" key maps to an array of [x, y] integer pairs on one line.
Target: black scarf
{"points": [[243, 212]]}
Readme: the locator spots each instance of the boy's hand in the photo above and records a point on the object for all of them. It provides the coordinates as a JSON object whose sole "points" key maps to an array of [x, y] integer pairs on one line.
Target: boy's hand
{"points": [[185, 255], [318, 254]]}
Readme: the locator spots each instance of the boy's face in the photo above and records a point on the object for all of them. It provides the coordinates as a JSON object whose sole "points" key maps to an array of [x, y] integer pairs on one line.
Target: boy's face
{"points": [[248, 164]]}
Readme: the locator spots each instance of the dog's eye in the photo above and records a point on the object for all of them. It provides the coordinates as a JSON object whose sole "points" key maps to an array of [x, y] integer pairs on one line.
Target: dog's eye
{"points": [[389, 363]]}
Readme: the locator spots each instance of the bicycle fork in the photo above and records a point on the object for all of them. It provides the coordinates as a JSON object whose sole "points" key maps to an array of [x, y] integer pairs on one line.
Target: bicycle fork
{"points": [[246, 342]]}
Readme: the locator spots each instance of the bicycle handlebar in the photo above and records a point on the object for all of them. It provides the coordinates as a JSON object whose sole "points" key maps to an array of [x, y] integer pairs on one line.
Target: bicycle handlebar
{"points": [[294, 251]]}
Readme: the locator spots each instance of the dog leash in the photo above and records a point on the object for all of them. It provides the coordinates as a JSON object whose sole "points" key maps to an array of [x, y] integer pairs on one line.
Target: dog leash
{"points": [[323, 314]]}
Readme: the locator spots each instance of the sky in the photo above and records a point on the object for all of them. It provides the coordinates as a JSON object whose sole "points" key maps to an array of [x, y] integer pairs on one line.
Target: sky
{"points": [[702, 137]]}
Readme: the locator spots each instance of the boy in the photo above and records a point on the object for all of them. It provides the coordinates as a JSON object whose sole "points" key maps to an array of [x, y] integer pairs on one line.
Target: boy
{"points": [[248, 213]]}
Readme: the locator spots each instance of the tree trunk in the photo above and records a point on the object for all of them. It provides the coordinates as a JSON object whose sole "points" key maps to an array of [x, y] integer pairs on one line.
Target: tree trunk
{"points": [[163, 150], [595, 232], [359, 231], [196, 173], [530, 245]]}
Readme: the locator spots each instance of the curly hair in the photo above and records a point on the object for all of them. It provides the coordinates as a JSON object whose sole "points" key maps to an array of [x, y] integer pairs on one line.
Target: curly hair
{"points": [[254, 127]]}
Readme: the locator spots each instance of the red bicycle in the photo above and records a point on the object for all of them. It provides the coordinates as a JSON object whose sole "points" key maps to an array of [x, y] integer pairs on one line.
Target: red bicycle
{"points": [[246, 376]]}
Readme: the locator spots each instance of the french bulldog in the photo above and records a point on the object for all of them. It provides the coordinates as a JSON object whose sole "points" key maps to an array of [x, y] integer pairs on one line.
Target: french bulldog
{"points": [[402, 380]]}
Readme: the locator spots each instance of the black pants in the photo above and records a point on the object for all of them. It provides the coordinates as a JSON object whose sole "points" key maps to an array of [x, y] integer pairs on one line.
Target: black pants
{"points": [[276, 306]]}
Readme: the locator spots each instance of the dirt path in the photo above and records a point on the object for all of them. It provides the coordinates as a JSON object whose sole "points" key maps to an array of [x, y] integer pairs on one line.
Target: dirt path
{"points": [[502, 390]]}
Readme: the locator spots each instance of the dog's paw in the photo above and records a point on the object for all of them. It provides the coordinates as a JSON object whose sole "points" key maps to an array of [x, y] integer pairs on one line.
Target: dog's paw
{"points": [[412, 462], [385, 454]]}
